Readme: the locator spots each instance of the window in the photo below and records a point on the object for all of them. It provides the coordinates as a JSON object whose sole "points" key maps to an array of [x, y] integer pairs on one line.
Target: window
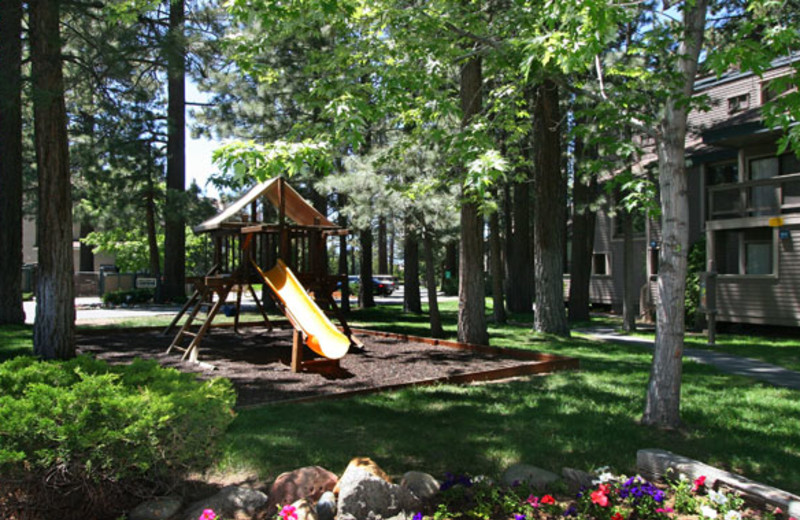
{"points": [[725, 202], [600, 264], [764, 199], [722, 173], [738, 103], [748, 251]]}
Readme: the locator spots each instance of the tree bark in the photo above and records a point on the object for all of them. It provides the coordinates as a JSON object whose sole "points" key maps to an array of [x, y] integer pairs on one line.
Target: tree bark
{"points": [[365, 295], [11, 311], [585, 191], [175, 225], [152, 238], [450, 267], [550, 199], [411, 297], [495, 245], [54, 326], [383, 267], [430, 281], [662, 406], [519, 260], [630, 295], [345, 290], [471, 291], [86, 255]]}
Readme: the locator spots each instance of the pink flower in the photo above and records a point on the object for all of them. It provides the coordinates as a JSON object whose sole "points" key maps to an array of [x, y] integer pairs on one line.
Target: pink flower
{"points": [[665, 510], [533, 501], [599, 497], [208, 514], [288, 513], [699, 482], [548, 499]]}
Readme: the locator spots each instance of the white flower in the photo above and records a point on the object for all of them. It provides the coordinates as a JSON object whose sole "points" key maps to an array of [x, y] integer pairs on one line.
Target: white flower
{"points": [[604, 476], [717, 497], [708, 512], [733, 515]]}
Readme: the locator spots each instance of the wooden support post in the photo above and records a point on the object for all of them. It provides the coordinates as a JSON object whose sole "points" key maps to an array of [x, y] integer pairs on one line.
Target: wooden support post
{"points": [[297, 350]]}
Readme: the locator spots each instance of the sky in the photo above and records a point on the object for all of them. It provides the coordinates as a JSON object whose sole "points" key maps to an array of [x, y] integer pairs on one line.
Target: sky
{"points": [[199, 166]]}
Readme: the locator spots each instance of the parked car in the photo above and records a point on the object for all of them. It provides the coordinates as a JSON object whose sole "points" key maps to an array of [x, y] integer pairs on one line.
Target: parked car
{"points": [[381, 286]]}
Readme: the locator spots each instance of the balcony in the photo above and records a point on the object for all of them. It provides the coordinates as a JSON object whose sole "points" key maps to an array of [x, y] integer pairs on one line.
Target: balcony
{"points": [[753, 203]]}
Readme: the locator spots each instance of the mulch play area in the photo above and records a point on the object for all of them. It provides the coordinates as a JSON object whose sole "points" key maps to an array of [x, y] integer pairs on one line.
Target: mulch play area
{"points": [[258, 362]]}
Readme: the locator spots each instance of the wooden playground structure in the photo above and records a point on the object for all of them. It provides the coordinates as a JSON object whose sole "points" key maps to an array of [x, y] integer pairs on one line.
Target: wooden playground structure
{"points": [[271, 225]]}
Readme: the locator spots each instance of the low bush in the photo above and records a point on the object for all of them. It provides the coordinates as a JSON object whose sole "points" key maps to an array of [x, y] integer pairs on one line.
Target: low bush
{"points": [[100, 433], [130, 297]]}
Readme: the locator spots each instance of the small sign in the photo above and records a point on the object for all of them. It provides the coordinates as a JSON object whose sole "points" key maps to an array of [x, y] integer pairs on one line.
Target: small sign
{"points": [[784, 234], [775, 222], [145, 283], [654, 244]]}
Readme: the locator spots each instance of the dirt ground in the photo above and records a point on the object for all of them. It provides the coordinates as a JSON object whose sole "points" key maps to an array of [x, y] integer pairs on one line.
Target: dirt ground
{"points": [[258, 362]]}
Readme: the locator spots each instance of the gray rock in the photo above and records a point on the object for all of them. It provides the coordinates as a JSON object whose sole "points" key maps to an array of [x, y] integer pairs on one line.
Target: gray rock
{"points": [[160, 508], [228, 502], [326, 506], [423, 485], [577, 479], [525, 474], [362, 493]]}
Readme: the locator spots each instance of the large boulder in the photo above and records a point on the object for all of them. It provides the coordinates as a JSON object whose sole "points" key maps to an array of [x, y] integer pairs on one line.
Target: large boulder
{"points": [[304, 509], [229, 502], [326, 506], [527, 475], [368, 465], [309, 482], [361, 493]]}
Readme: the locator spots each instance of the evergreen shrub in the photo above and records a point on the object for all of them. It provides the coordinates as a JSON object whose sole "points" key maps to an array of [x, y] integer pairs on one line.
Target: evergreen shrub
{"points": [[130, 297], [87, 428]]}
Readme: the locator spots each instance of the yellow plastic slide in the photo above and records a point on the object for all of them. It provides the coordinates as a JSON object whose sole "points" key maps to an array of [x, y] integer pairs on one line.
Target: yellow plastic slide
{"points": [[322, 336]]}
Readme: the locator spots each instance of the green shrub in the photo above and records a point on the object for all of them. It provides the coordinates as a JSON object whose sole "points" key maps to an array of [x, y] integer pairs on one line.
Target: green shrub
{"points": [[696, 263], [130, 297], [83, 424]]}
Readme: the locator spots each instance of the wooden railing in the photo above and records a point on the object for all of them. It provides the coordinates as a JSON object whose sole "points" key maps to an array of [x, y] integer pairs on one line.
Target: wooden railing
{"points": [[773, 196]]}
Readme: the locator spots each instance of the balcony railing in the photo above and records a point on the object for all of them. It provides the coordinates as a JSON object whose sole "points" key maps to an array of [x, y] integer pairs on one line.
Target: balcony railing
{"points": [[762, 197]]}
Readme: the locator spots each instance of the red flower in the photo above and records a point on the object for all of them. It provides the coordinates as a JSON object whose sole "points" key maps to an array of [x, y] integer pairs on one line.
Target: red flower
{"points": [[548, 499], [599, 497], [699, 482], [617, 516]]}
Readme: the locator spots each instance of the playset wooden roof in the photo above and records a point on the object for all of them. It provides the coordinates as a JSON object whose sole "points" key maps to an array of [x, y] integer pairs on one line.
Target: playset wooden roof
{"points": [[296, 207]]}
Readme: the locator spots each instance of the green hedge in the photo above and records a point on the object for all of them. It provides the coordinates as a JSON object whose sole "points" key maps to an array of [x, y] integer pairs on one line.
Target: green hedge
{"points": [[130, 297], [83, 424]]}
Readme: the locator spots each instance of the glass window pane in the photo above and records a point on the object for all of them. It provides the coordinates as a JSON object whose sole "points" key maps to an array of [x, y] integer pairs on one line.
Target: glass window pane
{"points": [[758, 258]]}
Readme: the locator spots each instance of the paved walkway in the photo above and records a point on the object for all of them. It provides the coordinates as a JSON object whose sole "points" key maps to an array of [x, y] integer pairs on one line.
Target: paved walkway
{"points": [[731, 364]]}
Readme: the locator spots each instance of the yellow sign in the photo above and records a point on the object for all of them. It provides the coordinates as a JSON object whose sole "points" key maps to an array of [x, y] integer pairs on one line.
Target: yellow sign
{"points": [[776, 222]]}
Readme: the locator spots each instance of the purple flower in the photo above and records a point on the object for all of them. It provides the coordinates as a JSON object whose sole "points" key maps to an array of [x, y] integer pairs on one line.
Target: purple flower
{"points": [[519, 517], [417, 516], [571, 511]]}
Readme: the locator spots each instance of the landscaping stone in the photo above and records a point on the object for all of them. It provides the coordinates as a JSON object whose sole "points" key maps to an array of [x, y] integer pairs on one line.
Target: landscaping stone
{"points": [[160, 508], [308, 482], [361, 492], [326, 506], [367, 464], [423, 485], [304, 509], [229, 502], [655, 464], [525, 474], [576, 479]]}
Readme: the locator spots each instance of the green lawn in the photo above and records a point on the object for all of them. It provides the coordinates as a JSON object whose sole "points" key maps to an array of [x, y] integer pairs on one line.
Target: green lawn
{"points": [[581, 419]]}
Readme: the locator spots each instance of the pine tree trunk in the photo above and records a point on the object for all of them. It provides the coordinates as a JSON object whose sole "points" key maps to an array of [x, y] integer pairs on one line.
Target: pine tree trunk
{"points": [[471, 285], [662, 406], [411, 297], [550, 199], [345, 289], [365, 295], [430, 280], [383, 267], [175, 225], [630, 295], [11, 162], [495, 244], [152, 238], [86, 255], [584, 193], [54, 326], [519, 273]]}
